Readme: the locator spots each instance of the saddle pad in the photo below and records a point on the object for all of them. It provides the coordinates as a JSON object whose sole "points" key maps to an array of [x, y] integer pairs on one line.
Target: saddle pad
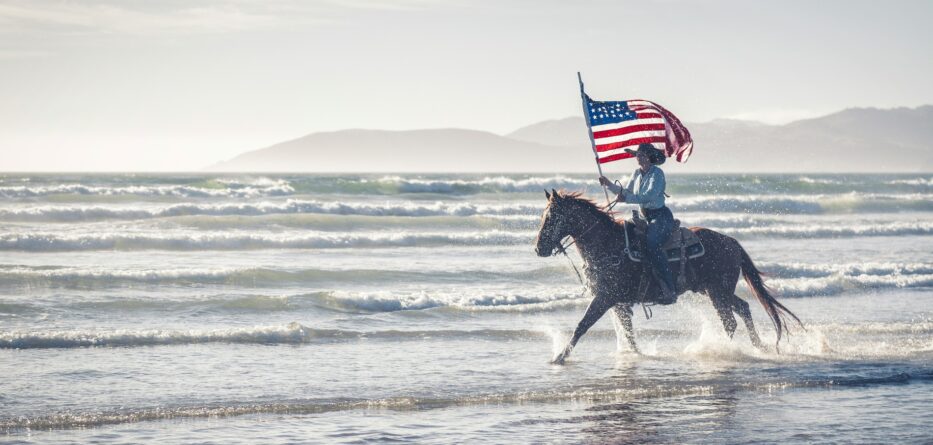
{"points": [[694, 248]]}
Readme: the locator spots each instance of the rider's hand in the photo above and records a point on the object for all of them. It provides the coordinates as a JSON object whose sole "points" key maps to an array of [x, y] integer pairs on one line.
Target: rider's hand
{"points": [[621, 197], [604, 181]]}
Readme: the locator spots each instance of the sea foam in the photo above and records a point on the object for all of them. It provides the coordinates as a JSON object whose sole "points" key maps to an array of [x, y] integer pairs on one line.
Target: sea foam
{"points": [[743, 204], [300, 239], [50, 242], [292, 333], [228, 188], [291, 206]]}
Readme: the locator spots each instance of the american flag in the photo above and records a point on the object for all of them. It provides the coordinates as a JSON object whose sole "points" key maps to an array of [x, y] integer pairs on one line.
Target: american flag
{"points": [[618, 125]]}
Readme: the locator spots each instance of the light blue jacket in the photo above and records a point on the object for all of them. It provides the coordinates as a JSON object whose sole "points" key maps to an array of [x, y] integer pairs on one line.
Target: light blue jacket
{"points": [[645, 189]]}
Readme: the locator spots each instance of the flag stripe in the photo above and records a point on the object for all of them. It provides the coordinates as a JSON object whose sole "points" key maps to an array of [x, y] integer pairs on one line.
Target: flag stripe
{"points": [[632, 135], [684, 154], [629, 143], [639, 103], [649, 114], [613, 126], [615, 157], [628, 129]]}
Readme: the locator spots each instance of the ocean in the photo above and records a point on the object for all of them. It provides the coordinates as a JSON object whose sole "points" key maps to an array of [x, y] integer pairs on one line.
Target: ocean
{"points": [[258, 308]]}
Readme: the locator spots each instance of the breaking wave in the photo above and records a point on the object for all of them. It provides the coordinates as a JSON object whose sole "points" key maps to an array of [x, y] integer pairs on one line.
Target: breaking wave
{"points": [[84, 213], [837, 284], [489, 184], [295, 333], [251, 240], [758, 204], [797, 278], [289, 334], [218, 188], [239, 186], [541, 299], [807, 280], [826, 181], [832, 230], [913, 181], [292, 333], [678, 184], [805, 204], [40, 242], [809, 270], [532, 298], [544, 290], [251, 277]]}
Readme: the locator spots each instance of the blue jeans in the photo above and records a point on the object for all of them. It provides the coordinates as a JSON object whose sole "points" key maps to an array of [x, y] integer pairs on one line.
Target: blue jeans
{"points": [[660, 223]]}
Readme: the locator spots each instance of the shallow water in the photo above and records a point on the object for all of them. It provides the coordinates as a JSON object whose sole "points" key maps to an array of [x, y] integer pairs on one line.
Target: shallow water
{"points": [[316, 308]]}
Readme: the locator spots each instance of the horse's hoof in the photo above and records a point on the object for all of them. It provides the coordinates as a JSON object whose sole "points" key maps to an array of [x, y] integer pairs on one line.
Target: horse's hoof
{"points": [[559, 360]]}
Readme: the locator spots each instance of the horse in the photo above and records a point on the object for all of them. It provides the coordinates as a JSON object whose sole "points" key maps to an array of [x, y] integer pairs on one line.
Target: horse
{"points": [[613, 278]]}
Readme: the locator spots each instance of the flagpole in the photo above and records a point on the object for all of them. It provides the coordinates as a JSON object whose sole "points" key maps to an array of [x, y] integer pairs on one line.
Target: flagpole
{"points": [[589, 131]]}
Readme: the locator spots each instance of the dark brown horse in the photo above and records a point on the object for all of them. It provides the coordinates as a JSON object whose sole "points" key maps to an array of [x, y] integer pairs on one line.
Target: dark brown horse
{"points": [[613, 278]]}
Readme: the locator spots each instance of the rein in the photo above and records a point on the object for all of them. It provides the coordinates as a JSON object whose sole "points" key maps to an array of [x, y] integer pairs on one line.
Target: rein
{"points": [[562, 248]]}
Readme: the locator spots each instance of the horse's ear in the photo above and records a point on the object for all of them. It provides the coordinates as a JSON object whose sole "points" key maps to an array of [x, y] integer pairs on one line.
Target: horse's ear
{"points": [[554, 192], [547, 194]]}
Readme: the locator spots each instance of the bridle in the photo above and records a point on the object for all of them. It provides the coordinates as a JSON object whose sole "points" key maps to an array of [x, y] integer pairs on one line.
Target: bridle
{"points": [[562, 248]]}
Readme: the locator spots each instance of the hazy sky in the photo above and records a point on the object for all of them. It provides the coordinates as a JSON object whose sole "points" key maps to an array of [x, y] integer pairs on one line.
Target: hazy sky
{"points": [[175, 85]]}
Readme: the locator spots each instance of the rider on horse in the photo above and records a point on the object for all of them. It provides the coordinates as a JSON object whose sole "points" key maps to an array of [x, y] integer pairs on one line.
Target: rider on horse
{"points": [[646, 188]]}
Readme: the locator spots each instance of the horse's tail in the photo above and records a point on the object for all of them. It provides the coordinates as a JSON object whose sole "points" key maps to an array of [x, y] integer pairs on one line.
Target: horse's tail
{"points": [[774, 308]]}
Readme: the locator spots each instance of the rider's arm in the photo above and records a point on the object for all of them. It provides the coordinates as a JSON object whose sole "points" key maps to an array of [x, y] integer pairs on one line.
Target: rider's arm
{"points": [[653, 189], [614, 188], [630, 187]]}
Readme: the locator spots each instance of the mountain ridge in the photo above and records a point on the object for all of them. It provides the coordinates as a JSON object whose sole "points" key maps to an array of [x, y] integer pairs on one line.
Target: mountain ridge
{"points": [[850, 140]]}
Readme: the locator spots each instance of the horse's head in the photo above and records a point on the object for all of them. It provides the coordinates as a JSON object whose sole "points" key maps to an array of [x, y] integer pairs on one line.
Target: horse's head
{"points": [[554, 224]]}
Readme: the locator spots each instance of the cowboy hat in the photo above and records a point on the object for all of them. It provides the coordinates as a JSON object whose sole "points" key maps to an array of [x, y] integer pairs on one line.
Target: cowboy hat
{"points": [[655, 155]]}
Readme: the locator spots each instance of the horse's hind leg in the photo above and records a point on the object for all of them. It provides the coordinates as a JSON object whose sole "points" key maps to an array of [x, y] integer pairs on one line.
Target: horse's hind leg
{"points": [[723, 303], [622, 320], [740, 307]]}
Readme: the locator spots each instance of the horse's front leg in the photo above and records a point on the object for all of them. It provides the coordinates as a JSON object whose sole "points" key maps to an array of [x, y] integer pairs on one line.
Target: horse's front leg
{"points": [[594, 312], [622, 318]]}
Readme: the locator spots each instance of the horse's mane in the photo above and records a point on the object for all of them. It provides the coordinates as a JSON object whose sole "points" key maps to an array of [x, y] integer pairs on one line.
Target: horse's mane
{"points": [[588, 205]]}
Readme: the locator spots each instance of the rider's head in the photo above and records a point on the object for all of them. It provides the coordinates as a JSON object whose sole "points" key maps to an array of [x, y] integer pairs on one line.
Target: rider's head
{"points": [[647, 154]]}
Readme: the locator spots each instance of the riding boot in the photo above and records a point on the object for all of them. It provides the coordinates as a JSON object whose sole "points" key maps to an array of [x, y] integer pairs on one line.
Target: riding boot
{"points": [[667, 294], [660, 222], [668, 289]]}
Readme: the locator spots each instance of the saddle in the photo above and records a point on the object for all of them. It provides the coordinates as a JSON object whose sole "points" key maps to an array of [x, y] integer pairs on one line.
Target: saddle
{"points": [[681, 245], [681, 242]]}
